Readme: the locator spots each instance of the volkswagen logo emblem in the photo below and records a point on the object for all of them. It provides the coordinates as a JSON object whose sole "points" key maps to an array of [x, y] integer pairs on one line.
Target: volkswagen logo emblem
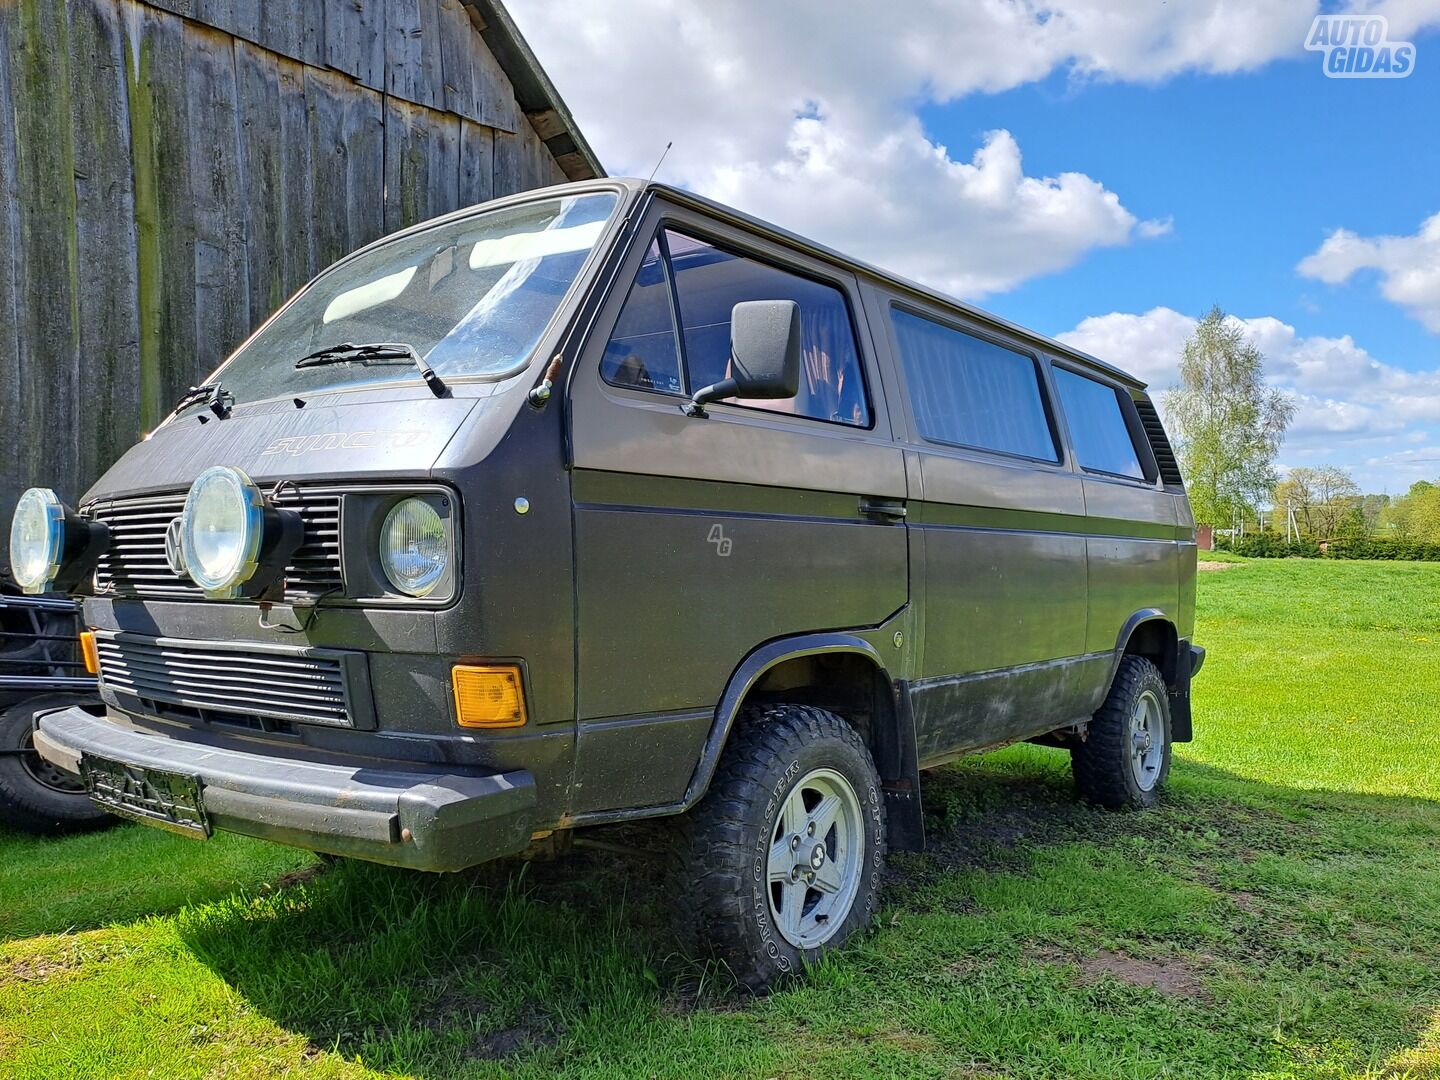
{"points": [[174, 553]]}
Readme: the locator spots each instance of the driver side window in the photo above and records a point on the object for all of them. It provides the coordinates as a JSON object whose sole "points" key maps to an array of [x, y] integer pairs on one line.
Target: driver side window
{"points": [[702, 282]]}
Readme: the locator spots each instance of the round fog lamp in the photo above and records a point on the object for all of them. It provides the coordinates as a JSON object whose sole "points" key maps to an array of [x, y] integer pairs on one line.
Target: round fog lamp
{"points": [[37, 539], [220, 530], [414, 550]]}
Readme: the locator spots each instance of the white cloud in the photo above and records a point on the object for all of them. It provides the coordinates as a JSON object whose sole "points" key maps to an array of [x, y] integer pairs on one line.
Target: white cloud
{"points": [[1409, 266], [1351, 409], [806, 113]]}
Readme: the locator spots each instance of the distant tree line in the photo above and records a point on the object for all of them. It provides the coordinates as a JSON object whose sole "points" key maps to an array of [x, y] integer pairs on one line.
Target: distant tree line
{"points": [[1227, 425]]}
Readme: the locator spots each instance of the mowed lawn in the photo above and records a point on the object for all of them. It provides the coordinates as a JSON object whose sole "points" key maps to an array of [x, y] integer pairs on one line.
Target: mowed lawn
{"points": [[1279, 916]]}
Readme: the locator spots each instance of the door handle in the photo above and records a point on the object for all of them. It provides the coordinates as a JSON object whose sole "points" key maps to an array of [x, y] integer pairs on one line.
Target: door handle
{"points": [[883, 509]]}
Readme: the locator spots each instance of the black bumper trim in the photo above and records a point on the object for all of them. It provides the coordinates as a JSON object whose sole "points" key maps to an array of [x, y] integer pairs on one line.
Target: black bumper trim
{"points": [[421, 820]]}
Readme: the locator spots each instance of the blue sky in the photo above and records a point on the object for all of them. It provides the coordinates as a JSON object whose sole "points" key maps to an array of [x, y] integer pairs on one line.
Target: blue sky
{"points": [[1255, 169], [1100, 170]]}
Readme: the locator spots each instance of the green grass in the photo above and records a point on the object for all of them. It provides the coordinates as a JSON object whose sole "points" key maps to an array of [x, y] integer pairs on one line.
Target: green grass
{"points": [[1286, 899]]}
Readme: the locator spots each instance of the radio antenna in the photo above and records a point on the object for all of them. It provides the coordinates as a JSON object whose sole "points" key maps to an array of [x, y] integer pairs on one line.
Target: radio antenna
{"points": [[662, 159]]}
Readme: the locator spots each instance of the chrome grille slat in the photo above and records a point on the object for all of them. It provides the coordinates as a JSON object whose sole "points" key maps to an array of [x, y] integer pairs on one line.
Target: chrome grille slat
{"points": [[247, 682], [135, 564]]}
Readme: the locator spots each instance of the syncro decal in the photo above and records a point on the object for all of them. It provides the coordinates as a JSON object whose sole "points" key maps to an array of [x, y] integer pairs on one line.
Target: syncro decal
{"points": [[346, 440]]}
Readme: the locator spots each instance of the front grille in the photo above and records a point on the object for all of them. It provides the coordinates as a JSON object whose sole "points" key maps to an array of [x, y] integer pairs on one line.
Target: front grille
{"points": [[314, 686], [135, 565]]}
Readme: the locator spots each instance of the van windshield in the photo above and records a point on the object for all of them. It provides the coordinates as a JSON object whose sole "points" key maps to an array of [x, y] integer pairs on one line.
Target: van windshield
{"points": [[472, 297]]}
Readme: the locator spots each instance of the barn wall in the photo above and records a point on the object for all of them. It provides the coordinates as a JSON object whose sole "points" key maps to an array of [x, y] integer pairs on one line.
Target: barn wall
{"points": [[170, 172]]}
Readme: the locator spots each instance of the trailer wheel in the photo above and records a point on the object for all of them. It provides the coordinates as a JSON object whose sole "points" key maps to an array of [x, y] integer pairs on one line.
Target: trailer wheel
{"points": [[35, 796], [1125, 757], [781, 860]]}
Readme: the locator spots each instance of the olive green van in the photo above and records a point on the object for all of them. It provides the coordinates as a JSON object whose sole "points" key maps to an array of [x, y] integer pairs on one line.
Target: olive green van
{"points": [[606, 502]]}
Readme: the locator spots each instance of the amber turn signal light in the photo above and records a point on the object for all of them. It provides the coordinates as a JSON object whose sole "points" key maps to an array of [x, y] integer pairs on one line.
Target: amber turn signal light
{"points": [[88, 651], [489, 696]]}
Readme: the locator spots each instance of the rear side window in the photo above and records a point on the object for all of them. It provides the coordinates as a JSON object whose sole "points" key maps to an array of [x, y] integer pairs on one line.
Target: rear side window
{"points": [[968, 391], [706, 282], [1096, 418]]}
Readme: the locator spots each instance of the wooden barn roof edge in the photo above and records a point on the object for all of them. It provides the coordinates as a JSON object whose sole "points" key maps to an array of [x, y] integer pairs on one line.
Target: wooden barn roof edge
{"points": [[541, 102]]}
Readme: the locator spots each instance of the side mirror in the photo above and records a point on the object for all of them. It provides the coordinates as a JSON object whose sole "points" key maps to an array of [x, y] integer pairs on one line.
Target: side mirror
{"points": [[764, 354]]}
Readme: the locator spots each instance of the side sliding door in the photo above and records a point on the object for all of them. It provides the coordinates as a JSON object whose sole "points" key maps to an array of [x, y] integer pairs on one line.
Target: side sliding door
{"points": [[1001, 527]]}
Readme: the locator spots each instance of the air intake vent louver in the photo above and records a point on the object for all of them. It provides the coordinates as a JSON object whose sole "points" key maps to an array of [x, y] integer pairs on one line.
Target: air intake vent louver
{"points": [[305, 685], [1159, 442]]}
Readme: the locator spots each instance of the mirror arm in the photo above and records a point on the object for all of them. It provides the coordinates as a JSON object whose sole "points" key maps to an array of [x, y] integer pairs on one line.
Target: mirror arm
{"points": [[714, 392]]}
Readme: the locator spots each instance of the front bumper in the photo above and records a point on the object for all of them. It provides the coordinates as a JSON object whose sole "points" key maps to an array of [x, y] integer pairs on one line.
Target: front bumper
{"points": [[423, 820]]}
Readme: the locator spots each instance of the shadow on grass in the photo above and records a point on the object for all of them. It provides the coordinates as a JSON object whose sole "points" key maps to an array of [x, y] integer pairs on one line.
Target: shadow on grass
{"points": [[51, 885], [539, 962]]}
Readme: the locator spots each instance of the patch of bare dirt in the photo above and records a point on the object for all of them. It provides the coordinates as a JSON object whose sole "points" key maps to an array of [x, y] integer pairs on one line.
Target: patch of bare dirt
{"points": [[1206, 564], [1171, 977]]}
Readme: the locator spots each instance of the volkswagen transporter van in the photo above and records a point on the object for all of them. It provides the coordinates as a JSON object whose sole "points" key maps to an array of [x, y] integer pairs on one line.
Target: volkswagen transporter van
{"points": [[606, 502]]}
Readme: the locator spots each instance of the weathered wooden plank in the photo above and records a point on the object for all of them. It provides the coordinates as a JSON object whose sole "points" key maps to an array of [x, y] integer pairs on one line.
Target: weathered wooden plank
{"points": [[430, 89], [443, 168], [477, 163], [48, 307], [107, 419], [508, 164], [164, 210], [261, 169], [14, 467], [325, 96], [221, 296], [356, 40], [407, 163], [495, 104], [365, 172], [297, 196], [458, 43], [240, 18], [294, 29], [404, 68]]}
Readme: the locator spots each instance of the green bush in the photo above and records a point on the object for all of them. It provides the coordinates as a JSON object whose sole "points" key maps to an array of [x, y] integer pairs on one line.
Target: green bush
{"points": [[1269, 545], [1383, 548]]}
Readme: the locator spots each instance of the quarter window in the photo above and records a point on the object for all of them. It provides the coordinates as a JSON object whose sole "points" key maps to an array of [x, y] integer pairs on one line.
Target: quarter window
{"points": [[968, 391], [708, 281], [642, 351], [1096, 418]]}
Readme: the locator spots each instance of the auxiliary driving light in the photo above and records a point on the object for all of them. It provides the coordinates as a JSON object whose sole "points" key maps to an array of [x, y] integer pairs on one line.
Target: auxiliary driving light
{"points": [[232, 541], [52, 548]]}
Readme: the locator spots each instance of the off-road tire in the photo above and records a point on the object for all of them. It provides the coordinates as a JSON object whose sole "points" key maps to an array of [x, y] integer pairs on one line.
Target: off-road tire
{"points": [[1101, 763], [720, 887], [25, 802]]}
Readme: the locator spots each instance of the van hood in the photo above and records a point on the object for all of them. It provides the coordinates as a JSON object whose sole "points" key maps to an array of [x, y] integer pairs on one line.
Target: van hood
{"points": [[341, 439]]}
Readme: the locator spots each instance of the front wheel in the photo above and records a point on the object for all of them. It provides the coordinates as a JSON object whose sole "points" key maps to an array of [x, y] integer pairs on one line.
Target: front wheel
{"points": [[1126, 753], [782, 859], [35, 796]]}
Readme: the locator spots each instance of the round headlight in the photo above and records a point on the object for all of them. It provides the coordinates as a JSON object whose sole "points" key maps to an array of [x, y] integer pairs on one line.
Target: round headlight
{"points": [[414, 550], [37, 539], [220, 530]]}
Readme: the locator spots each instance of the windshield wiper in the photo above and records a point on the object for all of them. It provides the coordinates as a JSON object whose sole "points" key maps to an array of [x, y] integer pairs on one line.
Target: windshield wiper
{"points": [[219, 400], [375, 352]]}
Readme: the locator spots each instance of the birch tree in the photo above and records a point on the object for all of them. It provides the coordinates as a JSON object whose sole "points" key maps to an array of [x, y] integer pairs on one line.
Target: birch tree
{"points": [[1226, 423]]}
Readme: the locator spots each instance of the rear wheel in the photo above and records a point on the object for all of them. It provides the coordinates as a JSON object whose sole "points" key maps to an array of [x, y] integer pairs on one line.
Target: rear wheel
{"points": [[34, 795], [782, 859], [1125, 757]]}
